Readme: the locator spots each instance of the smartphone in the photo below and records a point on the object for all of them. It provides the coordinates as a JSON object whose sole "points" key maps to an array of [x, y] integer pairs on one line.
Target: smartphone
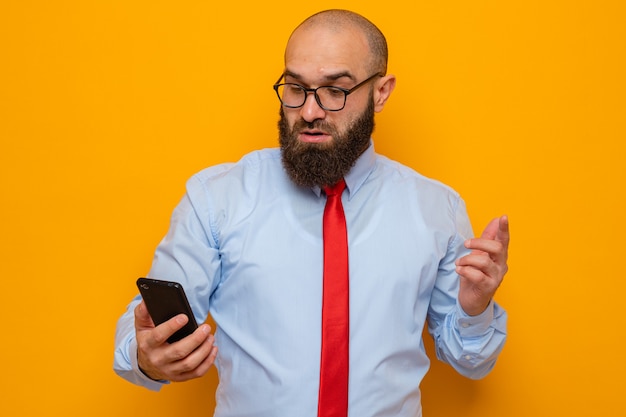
{"points": [[164, 300]]}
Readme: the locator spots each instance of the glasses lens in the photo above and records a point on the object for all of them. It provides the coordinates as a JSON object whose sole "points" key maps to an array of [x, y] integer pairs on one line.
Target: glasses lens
{"points": [[292, 95], [331, 98]]}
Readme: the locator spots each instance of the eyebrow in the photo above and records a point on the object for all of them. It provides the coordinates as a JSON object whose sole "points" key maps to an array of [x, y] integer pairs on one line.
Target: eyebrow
{"points": [[327, 78]]}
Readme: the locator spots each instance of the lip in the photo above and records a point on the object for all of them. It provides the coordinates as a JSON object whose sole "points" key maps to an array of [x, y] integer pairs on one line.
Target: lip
{"points": [[314, 136]]}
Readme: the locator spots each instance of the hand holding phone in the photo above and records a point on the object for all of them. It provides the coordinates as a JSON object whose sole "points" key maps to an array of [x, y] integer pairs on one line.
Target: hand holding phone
{"points": [[164, 300]]}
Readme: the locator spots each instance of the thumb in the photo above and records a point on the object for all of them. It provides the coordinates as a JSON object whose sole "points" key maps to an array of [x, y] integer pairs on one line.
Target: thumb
{"points": [[502, 235], [142, 317]]}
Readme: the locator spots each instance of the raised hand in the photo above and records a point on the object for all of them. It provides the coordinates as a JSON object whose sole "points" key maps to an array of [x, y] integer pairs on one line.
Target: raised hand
{"points": [[482, 271]]}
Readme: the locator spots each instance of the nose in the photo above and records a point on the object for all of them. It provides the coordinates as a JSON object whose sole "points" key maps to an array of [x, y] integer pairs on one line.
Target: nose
{"points": [[311, 110]]}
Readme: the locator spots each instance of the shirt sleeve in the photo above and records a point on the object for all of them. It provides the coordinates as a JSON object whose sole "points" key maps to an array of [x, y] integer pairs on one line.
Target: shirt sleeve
{"points": [[125, 357], [470, 344], [187, 255]]}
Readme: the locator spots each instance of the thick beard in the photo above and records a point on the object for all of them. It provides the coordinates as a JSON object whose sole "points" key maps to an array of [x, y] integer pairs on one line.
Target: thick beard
{"points": [[321, 164]]}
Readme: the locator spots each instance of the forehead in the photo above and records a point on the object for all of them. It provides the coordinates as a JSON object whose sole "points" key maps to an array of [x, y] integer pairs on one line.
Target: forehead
{"points": [[319, 52]]}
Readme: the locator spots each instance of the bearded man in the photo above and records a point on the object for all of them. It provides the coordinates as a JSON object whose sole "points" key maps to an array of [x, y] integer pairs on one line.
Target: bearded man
{"points": [[322, 261]]}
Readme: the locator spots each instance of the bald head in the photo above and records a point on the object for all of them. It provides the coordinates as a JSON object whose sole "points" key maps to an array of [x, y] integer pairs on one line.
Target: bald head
{"points": [[339, 21]]}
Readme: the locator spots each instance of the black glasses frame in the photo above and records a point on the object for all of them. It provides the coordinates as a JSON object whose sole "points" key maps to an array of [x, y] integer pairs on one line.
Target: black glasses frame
{"points": [[345, 91]]}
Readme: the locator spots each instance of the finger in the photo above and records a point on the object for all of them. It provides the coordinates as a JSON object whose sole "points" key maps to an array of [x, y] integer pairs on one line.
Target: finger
{"points": [[189, 354], [487, 276], [163, 331], [480, 261], [475, 275], [204, 366], [481, 246], [198, 371], [478, 269], [189, 344]]}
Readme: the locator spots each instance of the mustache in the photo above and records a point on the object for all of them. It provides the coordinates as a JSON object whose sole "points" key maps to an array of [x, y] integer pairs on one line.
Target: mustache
{"points": [[315, 124]]}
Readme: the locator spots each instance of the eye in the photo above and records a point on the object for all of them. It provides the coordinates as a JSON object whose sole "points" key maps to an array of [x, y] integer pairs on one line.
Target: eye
{"points": [[292, 89], [334, 92]]}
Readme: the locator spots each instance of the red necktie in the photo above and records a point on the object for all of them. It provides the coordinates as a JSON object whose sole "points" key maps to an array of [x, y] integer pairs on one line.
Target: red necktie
{"points": [[333, 394]]}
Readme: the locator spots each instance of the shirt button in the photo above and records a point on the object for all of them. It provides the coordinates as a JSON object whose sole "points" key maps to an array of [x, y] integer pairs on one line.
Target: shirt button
{"points": [[468, 357], [465, 325]]}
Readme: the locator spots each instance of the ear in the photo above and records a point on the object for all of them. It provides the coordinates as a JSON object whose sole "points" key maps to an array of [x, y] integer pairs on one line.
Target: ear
{"points": [[383, 89]]}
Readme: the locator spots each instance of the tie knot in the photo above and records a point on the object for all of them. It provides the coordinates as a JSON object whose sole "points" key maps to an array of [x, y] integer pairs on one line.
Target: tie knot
{"points": [[335, 189]]}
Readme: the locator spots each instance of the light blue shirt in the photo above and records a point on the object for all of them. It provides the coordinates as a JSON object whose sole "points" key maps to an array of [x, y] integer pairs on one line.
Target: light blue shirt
{"points": [[246, 244]]}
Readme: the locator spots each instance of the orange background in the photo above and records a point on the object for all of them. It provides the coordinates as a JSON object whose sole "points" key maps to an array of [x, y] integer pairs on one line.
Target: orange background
{"points": [[107, 107]]}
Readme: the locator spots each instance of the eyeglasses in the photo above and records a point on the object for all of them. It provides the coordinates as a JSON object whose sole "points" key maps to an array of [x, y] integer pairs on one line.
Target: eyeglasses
{"points": [[329, 98]]}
